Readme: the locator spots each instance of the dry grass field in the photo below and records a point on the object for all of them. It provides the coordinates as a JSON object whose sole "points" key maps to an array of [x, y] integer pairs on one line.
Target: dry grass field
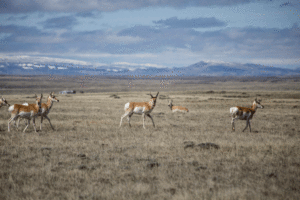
{"points": [[88, 156]]}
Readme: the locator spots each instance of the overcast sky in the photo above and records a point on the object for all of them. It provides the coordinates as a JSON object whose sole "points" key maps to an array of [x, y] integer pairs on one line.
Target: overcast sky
{"points": [[157, 33]]}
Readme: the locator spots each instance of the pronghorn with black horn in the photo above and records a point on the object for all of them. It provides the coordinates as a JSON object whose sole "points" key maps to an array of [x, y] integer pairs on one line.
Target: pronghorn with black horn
{"points": [[28, 112], [141, 108], [244, 113], [3, 102], [177, 108], [46, 107]]}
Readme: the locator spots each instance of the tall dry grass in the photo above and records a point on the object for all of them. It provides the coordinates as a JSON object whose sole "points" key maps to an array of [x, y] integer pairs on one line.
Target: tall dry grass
{"points": [[89, 156]]}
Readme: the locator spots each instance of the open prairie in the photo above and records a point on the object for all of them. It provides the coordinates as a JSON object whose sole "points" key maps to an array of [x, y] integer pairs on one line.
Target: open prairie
{"points": [[88, 156]]}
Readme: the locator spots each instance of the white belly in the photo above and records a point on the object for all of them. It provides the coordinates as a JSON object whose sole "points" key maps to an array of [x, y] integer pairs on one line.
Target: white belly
{"points": [[139, 110], [26, 115]]}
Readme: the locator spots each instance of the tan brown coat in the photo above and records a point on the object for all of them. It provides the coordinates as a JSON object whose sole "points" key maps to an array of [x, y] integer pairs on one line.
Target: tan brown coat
{"points": [[28, 112], [140, 108]]}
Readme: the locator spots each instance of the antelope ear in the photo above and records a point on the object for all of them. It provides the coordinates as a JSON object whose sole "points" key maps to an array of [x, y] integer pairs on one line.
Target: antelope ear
{"points": [[41, 95], [35, 95]]}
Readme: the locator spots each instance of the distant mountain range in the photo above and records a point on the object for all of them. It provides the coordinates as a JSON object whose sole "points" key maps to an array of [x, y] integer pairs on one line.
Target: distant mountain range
{"points": [[198, 69]]}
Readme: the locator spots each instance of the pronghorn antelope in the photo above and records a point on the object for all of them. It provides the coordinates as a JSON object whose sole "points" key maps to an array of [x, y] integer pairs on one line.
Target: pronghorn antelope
{"points": [[46, 107], [3, 102], [141, 108], [244, 113], [177, 108], [28, 112]]}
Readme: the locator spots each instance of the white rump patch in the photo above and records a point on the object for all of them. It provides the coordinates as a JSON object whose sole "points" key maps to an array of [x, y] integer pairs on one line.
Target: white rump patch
{"points": [[234, 110], [126, 106]]}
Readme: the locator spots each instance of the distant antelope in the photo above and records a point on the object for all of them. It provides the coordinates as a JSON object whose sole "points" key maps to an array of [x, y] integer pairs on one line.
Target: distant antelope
{"points": [[46, 107], [28, 112], [244, 113], [140, 108], [177, 108], [3, 102]]}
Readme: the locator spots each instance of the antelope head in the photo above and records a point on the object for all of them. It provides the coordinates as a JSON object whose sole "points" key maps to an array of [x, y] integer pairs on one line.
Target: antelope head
{"points": [[52, 97], [170, 104], [257, 103], [4, 102], [154, 98]]}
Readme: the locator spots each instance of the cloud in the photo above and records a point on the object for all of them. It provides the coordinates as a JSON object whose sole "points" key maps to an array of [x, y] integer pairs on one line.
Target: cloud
{"points": [[42, 60], [38, 66], [137, 64], [65, 22], [87, 14], [17, 18], [149, 42], [191, 23], [21, 6], [291, 3], [27, 67]]}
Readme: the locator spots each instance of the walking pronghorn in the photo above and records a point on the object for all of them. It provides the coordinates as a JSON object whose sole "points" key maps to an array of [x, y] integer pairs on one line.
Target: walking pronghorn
{"points": [[46, 107], [244, 113], [141, 108], [177, 108], [28, 112], [3, 102]]}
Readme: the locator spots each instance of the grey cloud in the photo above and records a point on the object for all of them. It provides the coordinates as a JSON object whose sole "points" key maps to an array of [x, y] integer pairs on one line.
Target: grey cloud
{"points": [[20, 6], [286, 4], [86, 14], [250, 42], [17, 18], [141, 31], [15, 30], [191, 23], [66, 22]]}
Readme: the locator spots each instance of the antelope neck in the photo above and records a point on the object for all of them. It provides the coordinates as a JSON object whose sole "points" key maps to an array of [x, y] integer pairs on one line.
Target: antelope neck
{"points": [[49, 103], [254, 107]]}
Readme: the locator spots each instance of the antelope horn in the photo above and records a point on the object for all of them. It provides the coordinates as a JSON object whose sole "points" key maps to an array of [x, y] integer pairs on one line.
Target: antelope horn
{"points": [[157, 94], [151, 95]]}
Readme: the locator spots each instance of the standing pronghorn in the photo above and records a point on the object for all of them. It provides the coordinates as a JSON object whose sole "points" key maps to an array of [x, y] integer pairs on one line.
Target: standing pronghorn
{"points": [[177, 108], [244, 113], [141, 108], [28, 112], [46, 107], [3, 102]]}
